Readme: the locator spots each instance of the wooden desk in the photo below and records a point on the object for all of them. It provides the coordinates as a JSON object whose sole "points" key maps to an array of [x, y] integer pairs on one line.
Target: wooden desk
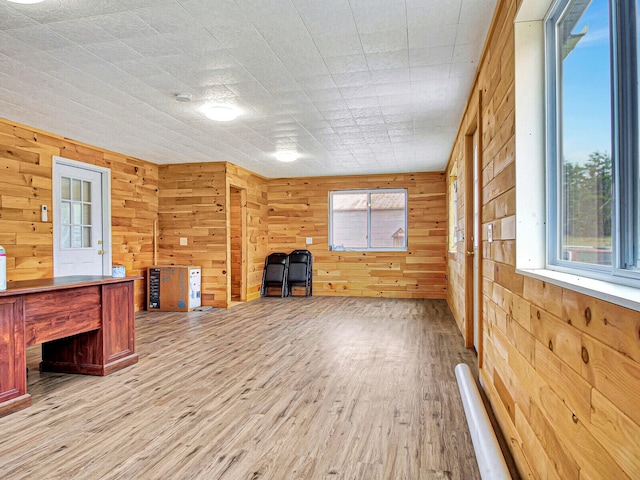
{"points": [[85, 324]]}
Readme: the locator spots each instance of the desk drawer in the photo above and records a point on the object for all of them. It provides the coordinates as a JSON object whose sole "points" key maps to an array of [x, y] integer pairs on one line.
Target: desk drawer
{"points": [[54, 315]]}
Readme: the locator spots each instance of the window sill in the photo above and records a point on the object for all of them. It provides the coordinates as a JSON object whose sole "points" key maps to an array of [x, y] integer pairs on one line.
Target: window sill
{"points": [[622, 295]]}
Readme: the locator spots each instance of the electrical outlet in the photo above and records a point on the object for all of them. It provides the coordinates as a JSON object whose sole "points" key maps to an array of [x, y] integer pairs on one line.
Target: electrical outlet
{"points": [[183, 241], [309, 241]]}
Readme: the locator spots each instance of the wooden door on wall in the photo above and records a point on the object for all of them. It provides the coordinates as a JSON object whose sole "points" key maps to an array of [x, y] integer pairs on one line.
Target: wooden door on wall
{"points": [[477, 233], [237, 240], [473, 240]]}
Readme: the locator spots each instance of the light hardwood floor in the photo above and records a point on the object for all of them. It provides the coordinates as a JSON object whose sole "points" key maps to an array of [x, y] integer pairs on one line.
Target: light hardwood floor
{"points": [[293, 388]]}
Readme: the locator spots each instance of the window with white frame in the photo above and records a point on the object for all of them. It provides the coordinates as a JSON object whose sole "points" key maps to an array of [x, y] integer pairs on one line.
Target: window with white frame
{"points": [[368, 220], [593, 218]]}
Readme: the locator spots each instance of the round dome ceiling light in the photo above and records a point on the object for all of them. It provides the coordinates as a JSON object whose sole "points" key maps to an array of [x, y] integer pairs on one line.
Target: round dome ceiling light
{"points": [[286, 156], [221, 113], [26, 2]]}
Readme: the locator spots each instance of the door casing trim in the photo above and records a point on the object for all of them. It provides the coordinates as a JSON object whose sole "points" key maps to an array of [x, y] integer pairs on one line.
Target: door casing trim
{"points": [[105, 176]]}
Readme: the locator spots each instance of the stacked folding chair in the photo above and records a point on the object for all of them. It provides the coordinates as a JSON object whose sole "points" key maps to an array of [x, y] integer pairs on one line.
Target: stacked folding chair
{"points": [[300, 271], [276, 269]]}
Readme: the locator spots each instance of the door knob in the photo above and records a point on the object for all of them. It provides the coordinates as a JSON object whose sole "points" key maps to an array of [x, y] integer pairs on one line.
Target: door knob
{"points": [[100, 252]]}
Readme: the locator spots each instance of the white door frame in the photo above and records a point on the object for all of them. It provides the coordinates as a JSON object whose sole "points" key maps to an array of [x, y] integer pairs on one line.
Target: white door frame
{"points": [[474, 321], [105, 176]]}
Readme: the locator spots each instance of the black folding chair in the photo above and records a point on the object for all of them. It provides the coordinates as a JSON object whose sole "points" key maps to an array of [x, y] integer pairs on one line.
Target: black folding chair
{"points": [[301, 271], [276, 267]]}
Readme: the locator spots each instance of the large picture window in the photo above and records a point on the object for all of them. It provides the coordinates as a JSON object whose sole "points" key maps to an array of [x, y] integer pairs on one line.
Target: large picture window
{"points": [[368, 220], [592, 134]]}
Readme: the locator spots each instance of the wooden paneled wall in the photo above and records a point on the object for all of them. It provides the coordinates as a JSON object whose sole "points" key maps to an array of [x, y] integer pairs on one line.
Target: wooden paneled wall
{"points": [[26, 159], [256, 240], [298, 208], [237, 244], [561, 369], [193, 204]]}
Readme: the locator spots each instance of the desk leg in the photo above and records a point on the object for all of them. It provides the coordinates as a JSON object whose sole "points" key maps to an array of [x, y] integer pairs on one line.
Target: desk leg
{"points": [[13, 360]]}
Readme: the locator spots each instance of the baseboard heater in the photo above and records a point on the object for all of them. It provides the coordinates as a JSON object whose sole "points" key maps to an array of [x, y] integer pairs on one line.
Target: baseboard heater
{"points": [[491, 463]]}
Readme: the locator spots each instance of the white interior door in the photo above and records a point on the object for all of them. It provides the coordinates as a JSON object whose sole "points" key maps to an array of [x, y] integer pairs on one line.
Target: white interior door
{"points": [[78, 221], [476, 245]]}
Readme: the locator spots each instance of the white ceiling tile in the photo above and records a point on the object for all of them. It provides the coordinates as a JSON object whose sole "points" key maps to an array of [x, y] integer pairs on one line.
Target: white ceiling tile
{"points": [[358, 86], [40, 37], [384, 89], [465, 53], [379, 77], [155, 45], [81, 31], [338, 45], [12, 47], [433, 12], [385, 41], [200, 43], [11, 17], [388, 60], [430, 72], [365, 102], [346, 64], [372, 16], [141, 67], [352, 79], [419, 57], [49, 12], [324, 94], [167, 18], [436, 35], [113, 52], [358, 92], [124, 24], [463, 69]]}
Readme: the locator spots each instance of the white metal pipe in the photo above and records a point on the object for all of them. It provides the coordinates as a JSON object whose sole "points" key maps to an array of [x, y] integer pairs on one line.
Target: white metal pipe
{"points": [[488, 454]]}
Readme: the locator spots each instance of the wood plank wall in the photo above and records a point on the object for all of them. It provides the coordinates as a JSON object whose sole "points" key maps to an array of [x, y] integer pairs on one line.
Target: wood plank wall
{"points": [[26, 159], [257, 223], [561, 369], [237, 241], [192, 204], [193, 201], [298, 208]]}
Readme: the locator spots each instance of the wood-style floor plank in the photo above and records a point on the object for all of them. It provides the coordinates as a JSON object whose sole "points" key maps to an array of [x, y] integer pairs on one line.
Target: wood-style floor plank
{"points": [[293, 388]]}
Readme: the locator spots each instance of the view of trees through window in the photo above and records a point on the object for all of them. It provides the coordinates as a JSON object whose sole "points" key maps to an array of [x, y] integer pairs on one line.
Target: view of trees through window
{"points": [[587, 210], [585, 128]]}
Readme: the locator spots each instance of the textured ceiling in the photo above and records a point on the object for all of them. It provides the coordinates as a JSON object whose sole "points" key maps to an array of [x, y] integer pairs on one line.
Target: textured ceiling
{"points": [[355, 86]]}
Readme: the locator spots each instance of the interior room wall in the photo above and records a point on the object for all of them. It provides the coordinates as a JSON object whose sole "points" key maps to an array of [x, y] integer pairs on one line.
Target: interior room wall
{"points": [[256, 240], [561, 369], [192, 206], [26, 158], [298, 209], [193, 201], [190, 201]]}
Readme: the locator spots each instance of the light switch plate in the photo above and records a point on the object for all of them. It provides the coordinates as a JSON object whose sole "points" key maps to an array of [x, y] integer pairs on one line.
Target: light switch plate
{"points": [[490, 233], [183, 241], [309, 241]]}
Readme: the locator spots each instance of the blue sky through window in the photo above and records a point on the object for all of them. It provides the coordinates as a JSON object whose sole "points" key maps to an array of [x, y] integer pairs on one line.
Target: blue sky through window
{"points": [[587, 102]]}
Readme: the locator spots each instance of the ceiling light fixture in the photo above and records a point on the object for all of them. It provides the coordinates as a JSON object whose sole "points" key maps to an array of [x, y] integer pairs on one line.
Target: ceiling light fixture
{"points": [[26, 1], [183, 97], [220, 113], [286, 156]]}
